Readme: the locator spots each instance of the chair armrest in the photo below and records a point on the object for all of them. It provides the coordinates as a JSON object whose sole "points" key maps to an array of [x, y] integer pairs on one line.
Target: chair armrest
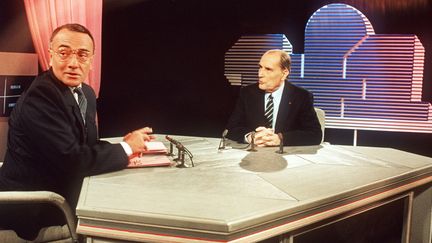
{"points": [[29, 197], [321, 118]]}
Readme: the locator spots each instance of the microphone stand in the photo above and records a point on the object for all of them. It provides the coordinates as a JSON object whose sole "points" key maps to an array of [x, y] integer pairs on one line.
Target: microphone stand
{"points": [[180, 154], [172, 143], [222, 143], [180, 157], [181, 151], [281, 145], [170, 153], [252, 143], [189, 154]]}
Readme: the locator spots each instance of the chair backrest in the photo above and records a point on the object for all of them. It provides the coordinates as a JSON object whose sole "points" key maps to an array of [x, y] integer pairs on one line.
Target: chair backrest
{"points": [[321, 117], [56, 233]]}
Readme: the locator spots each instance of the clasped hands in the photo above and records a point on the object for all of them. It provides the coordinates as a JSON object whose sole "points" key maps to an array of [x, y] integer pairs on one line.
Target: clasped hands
{"points": [[265, 137], [136, 139]]}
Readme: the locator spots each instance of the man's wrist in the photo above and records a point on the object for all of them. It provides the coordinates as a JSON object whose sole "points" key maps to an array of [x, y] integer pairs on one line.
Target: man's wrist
{"points": [[127, 148]]}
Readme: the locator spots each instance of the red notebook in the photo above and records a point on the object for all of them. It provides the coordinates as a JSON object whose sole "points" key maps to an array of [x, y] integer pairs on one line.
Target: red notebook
{"points": [[154, 156], [148, 160]]}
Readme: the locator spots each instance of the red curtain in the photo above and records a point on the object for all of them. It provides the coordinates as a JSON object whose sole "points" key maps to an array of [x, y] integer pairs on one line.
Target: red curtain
{"points": [[45, 15]]}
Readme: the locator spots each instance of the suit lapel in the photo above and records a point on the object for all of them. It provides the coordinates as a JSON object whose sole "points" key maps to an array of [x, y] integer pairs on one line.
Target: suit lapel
{"points": [[258, 106], [261, 104], [284, 106], [73, 106]]}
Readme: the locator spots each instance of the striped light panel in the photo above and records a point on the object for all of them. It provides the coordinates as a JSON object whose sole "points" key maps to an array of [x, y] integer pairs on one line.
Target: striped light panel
{"points": [[241, 60], [362, 80]]}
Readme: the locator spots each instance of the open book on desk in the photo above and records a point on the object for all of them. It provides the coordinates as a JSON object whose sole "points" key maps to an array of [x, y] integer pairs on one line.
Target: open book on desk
{"points": [[155, 147], [154, 156]]}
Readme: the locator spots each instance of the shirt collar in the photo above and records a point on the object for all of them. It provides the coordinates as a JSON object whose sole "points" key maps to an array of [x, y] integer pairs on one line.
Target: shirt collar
{"points": [[278, 93], [72, 88]]}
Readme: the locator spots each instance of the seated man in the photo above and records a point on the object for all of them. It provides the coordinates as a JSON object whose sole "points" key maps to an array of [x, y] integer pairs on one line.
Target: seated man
{"points": [[53, 140], [274, 106]]}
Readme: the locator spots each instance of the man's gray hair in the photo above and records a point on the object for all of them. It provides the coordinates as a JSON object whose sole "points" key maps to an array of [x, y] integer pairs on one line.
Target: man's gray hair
{"points": [[285, 58]]}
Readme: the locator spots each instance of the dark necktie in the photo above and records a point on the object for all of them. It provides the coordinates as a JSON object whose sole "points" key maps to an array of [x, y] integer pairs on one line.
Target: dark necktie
{"points": [[269, 112], [82, 102]]}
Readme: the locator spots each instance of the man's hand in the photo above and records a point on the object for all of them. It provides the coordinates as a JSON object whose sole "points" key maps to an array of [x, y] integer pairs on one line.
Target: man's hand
{"points": [[266, 137], [137, 139]]}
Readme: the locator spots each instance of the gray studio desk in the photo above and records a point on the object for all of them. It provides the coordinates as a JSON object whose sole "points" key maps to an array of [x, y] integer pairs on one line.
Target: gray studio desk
{"points": [[240, 196]]}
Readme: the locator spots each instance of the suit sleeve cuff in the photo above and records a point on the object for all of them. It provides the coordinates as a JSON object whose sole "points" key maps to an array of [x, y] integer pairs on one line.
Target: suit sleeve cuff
{"points": [[127, 148]]}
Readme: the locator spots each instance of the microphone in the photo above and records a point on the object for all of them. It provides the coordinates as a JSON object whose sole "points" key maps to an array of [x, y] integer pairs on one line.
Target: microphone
{"points": [[172, 140], [225, 132], [182, 150], [175, 142], [222, 144]]}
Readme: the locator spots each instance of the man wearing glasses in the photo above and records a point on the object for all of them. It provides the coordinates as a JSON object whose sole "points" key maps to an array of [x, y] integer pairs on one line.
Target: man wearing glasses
{"points": [[53, 140]]}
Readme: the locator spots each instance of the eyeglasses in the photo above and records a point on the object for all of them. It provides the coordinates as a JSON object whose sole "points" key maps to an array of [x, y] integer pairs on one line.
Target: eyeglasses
{"points": [[65, 54]]}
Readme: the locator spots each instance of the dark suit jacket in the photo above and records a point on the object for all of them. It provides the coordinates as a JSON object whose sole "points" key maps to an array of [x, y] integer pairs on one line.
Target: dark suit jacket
{"points": [[296, 119], [49, 147]]}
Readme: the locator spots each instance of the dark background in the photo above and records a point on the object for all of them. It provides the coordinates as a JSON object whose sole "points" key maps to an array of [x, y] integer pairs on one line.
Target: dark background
{"points": [[163, 60]]}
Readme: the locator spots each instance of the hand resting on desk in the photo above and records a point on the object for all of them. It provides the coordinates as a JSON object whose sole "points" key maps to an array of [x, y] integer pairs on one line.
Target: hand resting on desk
{"points": [[138, 138], [266, 137], [155, 155]]}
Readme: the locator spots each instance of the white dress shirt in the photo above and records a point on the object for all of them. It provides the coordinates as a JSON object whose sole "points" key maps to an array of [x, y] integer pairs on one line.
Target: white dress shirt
{"points": [[277, 96]]}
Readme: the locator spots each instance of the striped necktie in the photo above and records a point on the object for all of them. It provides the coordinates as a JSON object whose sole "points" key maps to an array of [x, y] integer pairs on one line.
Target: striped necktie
{"points": [[269, 112], [82, 102]]}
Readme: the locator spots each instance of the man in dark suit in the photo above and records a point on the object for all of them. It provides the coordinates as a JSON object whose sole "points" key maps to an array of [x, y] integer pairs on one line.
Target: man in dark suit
{"points": [[273, 106], [53, 140]]}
